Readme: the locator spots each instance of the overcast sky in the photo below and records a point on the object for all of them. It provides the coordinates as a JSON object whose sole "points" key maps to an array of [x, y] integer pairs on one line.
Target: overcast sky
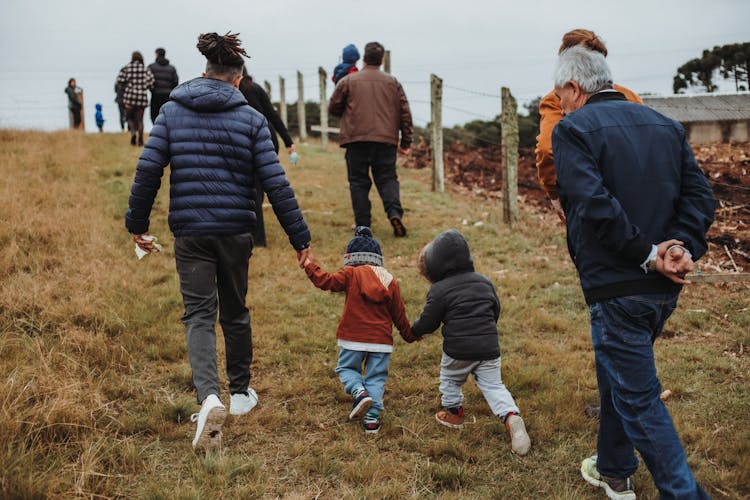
{"points": [[476, 46]]}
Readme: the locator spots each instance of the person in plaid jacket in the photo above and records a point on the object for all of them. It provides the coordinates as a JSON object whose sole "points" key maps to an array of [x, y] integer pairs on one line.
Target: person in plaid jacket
{"points": [[137, 79]]}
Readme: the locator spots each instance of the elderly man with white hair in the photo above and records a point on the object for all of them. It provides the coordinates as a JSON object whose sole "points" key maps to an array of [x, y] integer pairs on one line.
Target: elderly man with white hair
{"points": [[637, 210]]}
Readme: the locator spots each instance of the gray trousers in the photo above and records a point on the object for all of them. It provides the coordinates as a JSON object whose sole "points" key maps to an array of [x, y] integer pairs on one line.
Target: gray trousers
{"points": [[213, 281], [453, 375]]}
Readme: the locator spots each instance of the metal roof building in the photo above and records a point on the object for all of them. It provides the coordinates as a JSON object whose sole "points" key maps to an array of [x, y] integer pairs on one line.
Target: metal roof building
{"points": [[708, 117]]}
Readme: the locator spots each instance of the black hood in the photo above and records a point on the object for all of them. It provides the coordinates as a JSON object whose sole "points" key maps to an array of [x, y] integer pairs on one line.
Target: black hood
{"points": [[448, 254], [162, 61]]}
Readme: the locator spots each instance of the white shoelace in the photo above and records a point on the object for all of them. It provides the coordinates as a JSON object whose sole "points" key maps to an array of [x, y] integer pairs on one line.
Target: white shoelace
{"points": [[194, 417]]}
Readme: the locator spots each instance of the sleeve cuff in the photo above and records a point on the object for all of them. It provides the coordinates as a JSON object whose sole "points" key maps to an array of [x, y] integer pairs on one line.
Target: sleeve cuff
{"points": [[645, 265]]}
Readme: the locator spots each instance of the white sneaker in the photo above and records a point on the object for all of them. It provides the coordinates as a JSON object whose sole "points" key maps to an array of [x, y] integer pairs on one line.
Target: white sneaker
{"points": [[209, 419], [519, 439], [240, 403]]}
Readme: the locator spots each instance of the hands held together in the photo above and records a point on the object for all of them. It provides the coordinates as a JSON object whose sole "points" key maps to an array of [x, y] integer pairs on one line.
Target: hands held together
{"points": [[674, 261]]}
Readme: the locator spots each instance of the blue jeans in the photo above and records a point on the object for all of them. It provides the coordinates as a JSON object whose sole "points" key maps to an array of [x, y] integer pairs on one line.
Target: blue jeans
{"points": [[623, 331], [375, 364]]}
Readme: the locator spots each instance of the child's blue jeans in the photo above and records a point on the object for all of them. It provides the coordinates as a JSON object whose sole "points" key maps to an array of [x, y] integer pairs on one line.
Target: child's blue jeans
{"points": [[375, 364]]}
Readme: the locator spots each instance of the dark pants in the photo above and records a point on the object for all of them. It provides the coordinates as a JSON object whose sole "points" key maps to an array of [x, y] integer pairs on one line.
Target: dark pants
{"points": [[633, 416], [213, 279], [157, 101], [123, 114], [76, 112], [360, 156], [135, 120]]}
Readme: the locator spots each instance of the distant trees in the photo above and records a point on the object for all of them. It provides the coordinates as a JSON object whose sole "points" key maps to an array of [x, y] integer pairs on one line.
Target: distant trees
{"points": [[731, 61]]}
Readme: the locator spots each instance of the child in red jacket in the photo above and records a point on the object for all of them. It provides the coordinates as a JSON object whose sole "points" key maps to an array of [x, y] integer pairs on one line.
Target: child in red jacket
{"points": [[373, 302]]}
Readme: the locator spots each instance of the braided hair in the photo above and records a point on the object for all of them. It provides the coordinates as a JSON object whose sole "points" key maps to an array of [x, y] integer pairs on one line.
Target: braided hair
{"points": [[223, 53]]}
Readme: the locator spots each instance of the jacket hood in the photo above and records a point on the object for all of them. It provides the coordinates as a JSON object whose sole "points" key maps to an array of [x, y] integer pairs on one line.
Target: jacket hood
{"points": [[350, 54], [162, 61], [207, 94], [98, 107], [448, 254], [376, 290]]}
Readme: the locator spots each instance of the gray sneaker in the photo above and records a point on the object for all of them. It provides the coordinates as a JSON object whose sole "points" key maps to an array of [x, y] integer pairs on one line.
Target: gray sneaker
{"points": [[616, 488]]}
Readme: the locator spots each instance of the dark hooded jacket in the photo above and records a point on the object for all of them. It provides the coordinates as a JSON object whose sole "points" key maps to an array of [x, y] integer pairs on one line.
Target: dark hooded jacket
{"points": [[463, 300], [165, 76], [349, 58], [215, 144]]}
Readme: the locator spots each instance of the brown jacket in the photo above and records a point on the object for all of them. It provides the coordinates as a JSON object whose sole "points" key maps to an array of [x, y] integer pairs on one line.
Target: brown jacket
{"points": [[551, 113], [373, 302], [373, 108]]}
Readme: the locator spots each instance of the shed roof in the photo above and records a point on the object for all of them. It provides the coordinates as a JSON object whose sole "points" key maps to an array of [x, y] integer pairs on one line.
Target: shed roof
{"points": [[702, 108]]}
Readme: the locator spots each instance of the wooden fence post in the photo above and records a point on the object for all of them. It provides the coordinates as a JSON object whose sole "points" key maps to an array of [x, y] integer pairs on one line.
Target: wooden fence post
{"points": [[387, 62], [436, 133], [267, 85], [509, 124], [282, 101], [323, 107], [301, 107]]}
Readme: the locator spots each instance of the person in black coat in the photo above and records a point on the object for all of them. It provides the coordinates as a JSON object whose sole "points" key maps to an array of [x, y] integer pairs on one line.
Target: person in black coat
{"points": [[259, 101], [74, 103], [466, 304], [165, 79]]}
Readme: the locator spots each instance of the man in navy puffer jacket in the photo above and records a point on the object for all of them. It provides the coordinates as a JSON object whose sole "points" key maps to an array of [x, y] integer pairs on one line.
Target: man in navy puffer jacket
{"points": [[215, 145], [637, 209]]}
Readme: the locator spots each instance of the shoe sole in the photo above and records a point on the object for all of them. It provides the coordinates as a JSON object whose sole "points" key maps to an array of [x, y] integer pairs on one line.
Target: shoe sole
{"points": [[448, 424], [211, 434], [399, 230], [361, 409], [517, 432], [370, 431]]}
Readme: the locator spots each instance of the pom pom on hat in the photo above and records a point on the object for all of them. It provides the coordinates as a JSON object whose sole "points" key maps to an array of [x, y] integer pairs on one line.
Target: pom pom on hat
{"points": [[363, 249]]}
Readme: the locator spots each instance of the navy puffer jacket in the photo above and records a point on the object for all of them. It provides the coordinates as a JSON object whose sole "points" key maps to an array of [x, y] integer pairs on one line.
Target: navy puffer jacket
{"points": [[215, 144]]}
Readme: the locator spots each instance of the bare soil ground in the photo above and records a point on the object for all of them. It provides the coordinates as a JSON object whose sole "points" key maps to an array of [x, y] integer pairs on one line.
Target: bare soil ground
{"points": [[479, 170]]}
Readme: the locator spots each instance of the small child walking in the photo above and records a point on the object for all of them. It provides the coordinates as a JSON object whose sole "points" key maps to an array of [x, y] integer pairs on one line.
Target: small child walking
{"points": [[373, 302], [466, 304], [99, 117]]}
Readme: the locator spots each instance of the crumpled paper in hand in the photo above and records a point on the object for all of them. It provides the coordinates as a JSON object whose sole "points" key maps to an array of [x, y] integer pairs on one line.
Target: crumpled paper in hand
{"points": [[140, 253]]}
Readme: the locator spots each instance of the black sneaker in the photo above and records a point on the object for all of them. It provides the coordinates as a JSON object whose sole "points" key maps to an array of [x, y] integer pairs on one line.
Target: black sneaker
{"points": [[362, 403]]}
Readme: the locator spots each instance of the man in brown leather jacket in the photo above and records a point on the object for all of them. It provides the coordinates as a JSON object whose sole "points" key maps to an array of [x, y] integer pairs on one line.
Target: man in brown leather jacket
{"points": [[373, 110]]}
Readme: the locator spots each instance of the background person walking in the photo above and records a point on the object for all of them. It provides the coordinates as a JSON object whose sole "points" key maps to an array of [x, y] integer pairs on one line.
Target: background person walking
{"points": [[137, 79], [373, 110], [165, 79]]}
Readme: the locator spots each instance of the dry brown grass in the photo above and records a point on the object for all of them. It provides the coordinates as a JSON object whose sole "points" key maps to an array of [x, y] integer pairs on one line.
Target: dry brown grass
{"points": [[97, 389]]}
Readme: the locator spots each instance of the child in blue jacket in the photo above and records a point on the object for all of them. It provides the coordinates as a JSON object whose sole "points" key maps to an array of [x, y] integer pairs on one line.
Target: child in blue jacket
{"points": [[349, 58], [99, 117]]}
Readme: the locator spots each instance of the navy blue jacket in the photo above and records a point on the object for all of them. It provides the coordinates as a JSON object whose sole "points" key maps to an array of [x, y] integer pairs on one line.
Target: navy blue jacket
{"points": [[461, 299], [627, 179], [215, 144]]}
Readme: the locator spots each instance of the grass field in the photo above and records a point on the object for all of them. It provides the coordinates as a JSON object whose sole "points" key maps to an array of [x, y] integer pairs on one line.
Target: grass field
{"points": [[97, 394]]}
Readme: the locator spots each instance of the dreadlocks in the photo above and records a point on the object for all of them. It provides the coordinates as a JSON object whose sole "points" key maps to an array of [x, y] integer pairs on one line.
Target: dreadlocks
{"points": [[224, 55]]}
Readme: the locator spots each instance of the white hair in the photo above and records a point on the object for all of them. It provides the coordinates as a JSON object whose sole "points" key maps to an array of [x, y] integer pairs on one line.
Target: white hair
{"points": [[588, 68]]}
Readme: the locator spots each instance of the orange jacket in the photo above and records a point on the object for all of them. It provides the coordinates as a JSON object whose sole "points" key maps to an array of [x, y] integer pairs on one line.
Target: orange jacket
{"points": [[551, 113], [373, 301]]}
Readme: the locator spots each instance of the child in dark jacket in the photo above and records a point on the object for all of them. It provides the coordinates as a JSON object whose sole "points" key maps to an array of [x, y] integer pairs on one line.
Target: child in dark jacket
{"points": [[466, 304], [373, 301], [349, 58]]}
